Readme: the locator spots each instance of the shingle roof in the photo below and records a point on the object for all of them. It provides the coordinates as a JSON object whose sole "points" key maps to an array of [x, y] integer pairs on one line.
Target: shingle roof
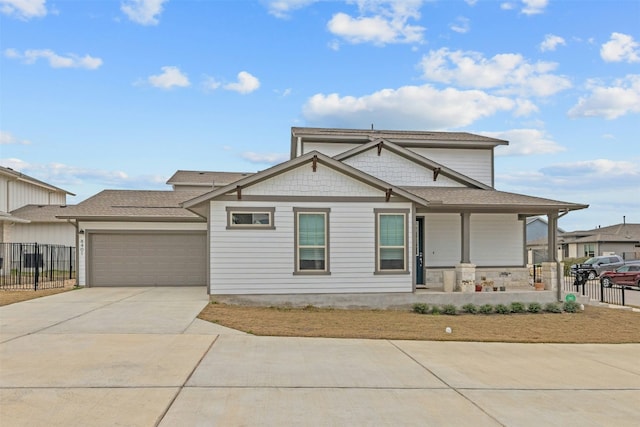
{"points": [[205, 178], [489, 200], [41, 213], [629, 232], [135, 204]]}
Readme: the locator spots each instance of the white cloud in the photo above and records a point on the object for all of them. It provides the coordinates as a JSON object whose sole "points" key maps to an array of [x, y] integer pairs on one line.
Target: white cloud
{"points": [[409, 107], [282, 8], [380, 23], [507, 6], [594, 169], [461, 25], [268, 158], [210, 84], [610, 102], [63, 175], [30, 56], [7, 138], [144, 12], [551, 42], [509, 73], [534, 7], [170, 77], [246, 83], [23, 9], [621, 47], [525, 142]]}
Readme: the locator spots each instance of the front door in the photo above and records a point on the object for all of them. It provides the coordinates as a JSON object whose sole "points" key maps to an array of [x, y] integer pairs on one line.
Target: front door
{"points": [[419, 250]]}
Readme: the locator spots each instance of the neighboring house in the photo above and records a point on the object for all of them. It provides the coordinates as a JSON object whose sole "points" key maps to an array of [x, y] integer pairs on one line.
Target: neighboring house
{"points": [[537, 229], [537, 234], [352, 211], [620, 239], [28, 210]]}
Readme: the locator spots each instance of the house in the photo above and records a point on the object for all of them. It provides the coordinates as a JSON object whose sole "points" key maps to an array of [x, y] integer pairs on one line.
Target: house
{"points": [[351, 212], [620, 239], [537, 232], [29, 210]]}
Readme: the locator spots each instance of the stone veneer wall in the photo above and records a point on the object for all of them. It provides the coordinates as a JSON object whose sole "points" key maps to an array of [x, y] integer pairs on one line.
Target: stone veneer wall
{"points": [[510, 277]]}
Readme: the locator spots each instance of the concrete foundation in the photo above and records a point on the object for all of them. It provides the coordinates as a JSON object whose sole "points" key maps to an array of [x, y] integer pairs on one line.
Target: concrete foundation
{"points": [[385, 301]]}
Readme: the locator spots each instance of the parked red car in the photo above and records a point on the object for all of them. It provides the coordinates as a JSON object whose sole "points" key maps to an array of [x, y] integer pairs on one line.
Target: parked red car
{"points": [[627, 275]]}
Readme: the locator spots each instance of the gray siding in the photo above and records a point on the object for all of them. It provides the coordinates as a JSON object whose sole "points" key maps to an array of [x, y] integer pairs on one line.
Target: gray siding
{"points": [[497, 240], [262, 261], [329, 149], [474, 163], [443, 240], [397, 170]]}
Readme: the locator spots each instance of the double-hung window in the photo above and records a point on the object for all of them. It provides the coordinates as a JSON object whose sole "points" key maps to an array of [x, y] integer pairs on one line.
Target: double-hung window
{"points": [[391, 241], [312, 241]]}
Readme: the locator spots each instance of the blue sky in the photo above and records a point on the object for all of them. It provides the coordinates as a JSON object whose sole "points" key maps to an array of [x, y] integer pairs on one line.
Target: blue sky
{"points": [[120, 94]]}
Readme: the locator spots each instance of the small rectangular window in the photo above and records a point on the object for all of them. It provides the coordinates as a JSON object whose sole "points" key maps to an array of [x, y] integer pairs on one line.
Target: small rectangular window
{"points": [[391, 241], [250, 218], [312, 240]]}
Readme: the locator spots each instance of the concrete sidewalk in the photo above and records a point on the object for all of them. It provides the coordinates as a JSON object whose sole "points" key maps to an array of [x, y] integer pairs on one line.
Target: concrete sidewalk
{"points": [[138, 356]]}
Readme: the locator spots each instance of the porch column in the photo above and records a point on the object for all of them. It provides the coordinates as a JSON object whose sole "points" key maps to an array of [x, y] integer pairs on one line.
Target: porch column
{"points": [[465, 221], [552, 236]]}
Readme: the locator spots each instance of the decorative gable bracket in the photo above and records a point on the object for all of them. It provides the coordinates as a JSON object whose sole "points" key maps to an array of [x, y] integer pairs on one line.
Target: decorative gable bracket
{"points": [[314, 165], [436, 172], [239, 191], [387, 195]]}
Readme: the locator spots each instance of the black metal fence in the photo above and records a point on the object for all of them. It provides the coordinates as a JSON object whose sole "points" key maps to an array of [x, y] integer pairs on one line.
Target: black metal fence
{"points": [[36, 266], [594, 289]]}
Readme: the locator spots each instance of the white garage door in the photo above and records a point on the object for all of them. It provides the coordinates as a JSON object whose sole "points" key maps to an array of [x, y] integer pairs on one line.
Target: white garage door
{"points": [[147, 259]]}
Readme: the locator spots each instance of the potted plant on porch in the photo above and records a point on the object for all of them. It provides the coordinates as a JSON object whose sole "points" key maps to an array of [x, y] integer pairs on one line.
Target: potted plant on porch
{"points": [[538, 285]]}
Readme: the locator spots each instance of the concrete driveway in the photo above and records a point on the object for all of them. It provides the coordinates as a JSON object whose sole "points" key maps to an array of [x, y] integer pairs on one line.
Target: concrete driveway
{"points": [[138, 356]]}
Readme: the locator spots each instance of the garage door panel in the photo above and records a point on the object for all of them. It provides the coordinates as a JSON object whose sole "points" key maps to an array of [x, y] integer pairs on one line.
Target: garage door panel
{"points": [[147, 259]]}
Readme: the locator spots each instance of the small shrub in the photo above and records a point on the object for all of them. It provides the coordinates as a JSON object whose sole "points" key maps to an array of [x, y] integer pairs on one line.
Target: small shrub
{"points": [[436, 310], [534, 307], [552, 307], [571, 307], [420, 308], [502, 309], [486, 309], [517, 307], [470, 308], [449, 309]]}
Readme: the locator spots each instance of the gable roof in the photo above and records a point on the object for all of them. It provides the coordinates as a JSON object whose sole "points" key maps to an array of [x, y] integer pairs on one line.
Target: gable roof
{"points": [[402, 138], [205, 178], [312, 156], [626, 232], [535, 219], [381, 143], [134, 205], [14, 175]]}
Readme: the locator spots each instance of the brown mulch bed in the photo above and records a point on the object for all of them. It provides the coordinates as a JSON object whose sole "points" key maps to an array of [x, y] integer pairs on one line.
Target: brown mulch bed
{"points": [[593, 325], [11, 296]]}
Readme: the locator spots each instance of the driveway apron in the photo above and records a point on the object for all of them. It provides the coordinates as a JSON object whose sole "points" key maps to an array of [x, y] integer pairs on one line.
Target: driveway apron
{"points": [[139, 357]]}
